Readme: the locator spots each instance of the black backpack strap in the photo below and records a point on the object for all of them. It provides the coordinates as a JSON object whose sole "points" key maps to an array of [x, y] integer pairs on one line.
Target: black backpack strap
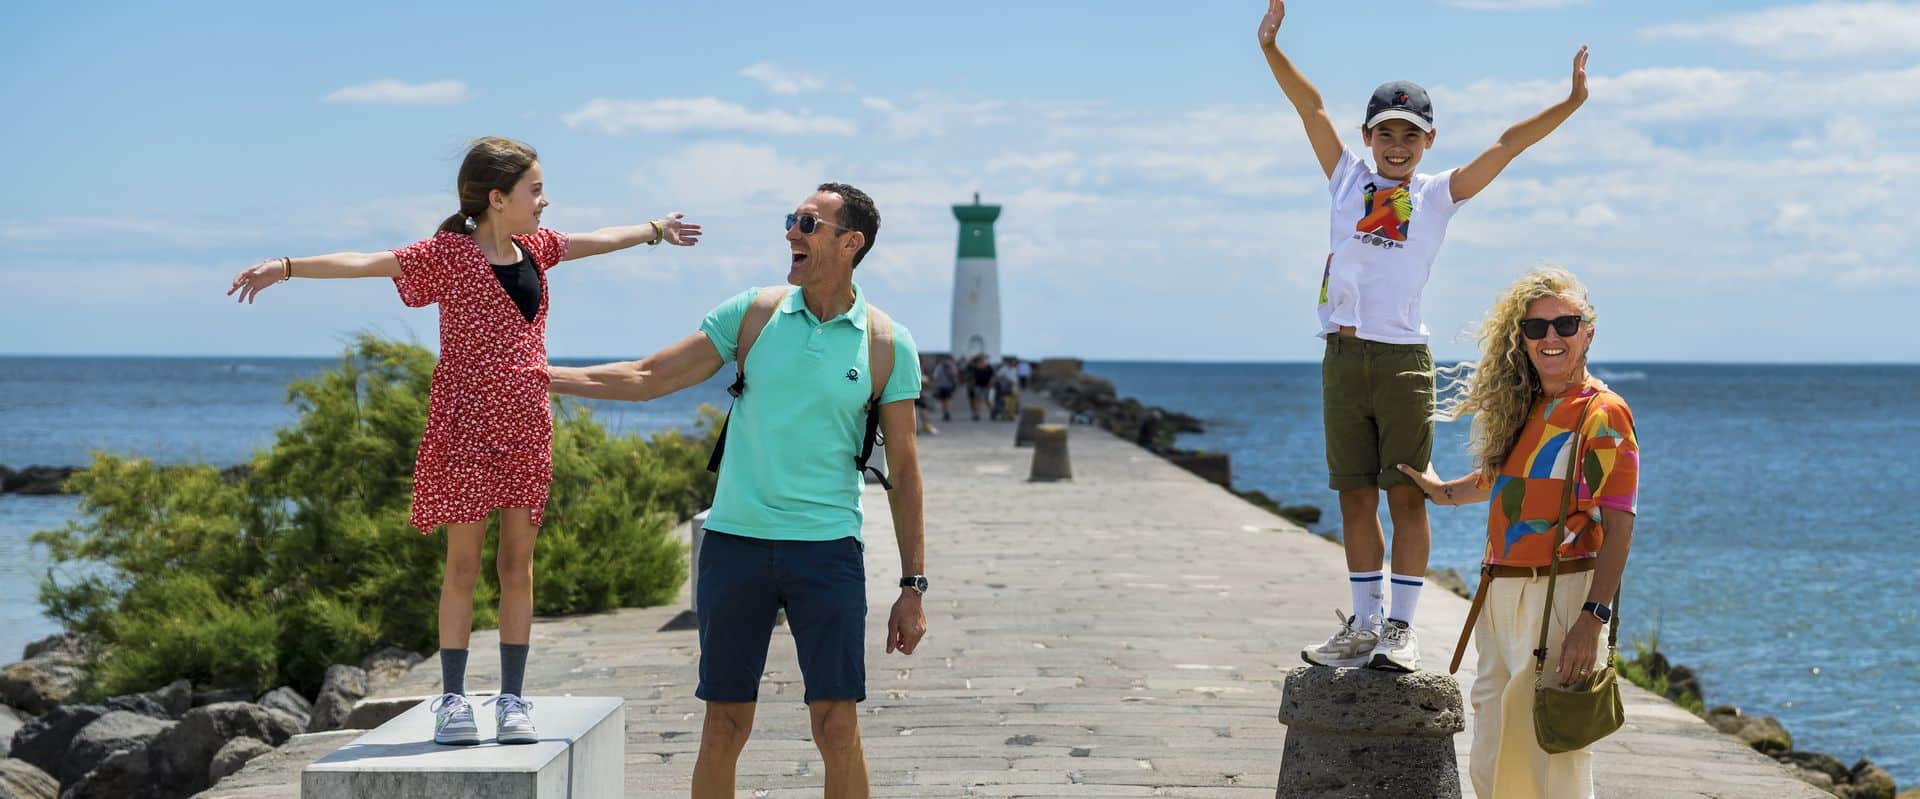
{"points": [[758, 315], [879, 371]]}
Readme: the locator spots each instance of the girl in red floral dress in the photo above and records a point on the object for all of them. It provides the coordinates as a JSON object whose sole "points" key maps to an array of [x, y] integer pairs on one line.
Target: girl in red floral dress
{"points": [[489, 432]]}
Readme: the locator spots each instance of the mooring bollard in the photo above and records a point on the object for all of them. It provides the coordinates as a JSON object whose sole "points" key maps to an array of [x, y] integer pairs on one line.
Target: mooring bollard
{"points": [[1400, 726], [1030, 419], [1050, 460]]}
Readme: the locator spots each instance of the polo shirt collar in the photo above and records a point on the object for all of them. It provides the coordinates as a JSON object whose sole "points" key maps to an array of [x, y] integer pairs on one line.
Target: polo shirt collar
{"points": [[857, 315]]}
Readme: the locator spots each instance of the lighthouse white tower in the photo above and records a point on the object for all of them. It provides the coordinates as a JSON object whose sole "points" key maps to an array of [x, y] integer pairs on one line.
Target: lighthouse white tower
{"points": [[976, 284]]}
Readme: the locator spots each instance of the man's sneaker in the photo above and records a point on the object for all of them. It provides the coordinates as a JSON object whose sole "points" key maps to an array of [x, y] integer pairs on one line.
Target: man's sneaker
{"points": [[453, 721], [513, 720], [1353, 645], [1398, 650]]}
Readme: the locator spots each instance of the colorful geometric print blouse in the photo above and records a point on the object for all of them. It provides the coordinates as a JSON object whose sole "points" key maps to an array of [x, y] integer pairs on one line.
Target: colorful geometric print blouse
{"points": [[1525, 504]]}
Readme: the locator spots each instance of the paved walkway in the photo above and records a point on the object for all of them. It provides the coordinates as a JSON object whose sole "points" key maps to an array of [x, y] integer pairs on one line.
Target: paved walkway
{"points": [[1121, 635]]}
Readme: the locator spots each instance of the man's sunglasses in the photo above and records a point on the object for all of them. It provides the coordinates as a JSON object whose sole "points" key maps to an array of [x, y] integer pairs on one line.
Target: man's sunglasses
{"points": [[809, 223], [1536, 329]]}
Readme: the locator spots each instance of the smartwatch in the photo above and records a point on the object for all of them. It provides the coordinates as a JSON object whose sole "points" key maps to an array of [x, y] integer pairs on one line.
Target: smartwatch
{"points": [[917, 582], [1599, 611]]}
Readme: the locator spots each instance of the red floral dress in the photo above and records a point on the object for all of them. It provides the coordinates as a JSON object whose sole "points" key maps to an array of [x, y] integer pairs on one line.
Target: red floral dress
{"points": [[489, 437]]}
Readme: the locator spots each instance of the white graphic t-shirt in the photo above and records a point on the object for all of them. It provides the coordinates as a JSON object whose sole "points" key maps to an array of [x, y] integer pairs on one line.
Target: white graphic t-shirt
{"points": [[1385, 235]]}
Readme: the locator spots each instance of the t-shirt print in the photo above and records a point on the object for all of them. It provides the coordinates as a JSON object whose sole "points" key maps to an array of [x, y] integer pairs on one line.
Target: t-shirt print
{"points": [[1387, 216]]}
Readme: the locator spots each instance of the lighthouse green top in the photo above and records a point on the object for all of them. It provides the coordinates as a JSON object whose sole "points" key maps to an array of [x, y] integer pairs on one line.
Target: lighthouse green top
{"points": [[976, 228]]}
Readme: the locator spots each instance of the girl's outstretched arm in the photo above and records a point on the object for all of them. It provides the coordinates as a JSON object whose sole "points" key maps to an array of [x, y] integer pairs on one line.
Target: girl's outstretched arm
{"points": [[1469, 180], [1306, 99], [257, 278], [672, 229]]}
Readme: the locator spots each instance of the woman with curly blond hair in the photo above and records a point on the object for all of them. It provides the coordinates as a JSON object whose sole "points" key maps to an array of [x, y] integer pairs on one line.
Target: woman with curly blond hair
{"points": [[1539, 418]]}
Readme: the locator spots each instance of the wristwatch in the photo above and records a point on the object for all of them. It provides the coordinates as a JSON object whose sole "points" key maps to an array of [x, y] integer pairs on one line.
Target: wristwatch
{"points": [[917, 582], [1599, 611]]}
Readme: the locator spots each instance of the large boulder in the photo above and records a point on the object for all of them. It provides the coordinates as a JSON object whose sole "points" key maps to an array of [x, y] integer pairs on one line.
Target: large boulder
{"points": [[176, 761], [1867, 781], [39, 684], [389, 664], [10, 722], [73, 645], [234, 756], [214, 696], [1828, 765], [44, 741], [38, 480], [290, 702], [22, 780], [142, 704], [115, 732], [342, 688], [1765, 734], [176, 698]]}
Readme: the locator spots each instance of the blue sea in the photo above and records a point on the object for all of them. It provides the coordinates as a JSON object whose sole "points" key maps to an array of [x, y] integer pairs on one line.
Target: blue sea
{"points": [[1772, 551]]}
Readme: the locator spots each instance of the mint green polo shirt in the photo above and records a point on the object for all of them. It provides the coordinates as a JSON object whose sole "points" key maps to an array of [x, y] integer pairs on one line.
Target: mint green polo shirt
{"points": [[788, 471]]}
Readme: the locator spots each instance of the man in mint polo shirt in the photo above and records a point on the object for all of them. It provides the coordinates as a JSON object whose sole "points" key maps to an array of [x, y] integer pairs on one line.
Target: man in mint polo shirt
{"points": [[784, 531]]}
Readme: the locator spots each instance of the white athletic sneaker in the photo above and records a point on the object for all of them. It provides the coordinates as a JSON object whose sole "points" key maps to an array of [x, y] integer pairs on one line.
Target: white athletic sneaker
{"points": [[453, 721], [513, 720], [1398, 650], [1352, 645]]}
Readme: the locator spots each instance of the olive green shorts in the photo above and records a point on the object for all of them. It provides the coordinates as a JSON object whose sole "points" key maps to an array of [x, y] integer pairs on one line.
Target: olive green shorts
{"points": [[1377, 403]]}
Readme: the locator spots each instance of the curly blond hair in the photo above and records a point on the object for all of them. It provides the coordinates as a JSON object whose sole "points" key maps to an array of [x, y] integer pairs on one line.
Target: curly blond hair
{"points": [[1500, 389]]}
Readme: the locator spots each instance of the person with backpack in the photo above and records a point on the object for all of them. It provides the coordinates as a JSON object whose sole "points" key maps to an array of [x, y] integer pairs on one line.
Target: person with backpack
{"points": [[823, 377]]}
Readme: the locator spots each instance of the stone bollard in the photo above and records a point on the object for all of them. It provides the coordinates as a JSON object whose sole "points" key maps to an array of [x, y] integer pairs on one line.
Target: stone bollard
{"points": [[1367, 733], [1050, 460], [1031, 418]]}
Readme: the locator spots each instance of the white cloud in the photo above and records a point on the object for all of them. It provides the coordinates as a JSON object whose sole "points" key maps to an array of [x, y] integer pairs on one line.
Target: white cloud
{"points": [[783, 81], [1033, 161], [700, 115], [1513, 5], [933, 114], [393, 92], [1813, 31]]}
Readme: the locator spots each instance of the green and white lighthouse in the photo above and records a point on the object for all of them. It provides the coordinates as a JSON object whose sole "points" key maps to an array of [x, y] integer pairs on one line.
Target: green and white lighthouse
{"points": [[976, 284]]}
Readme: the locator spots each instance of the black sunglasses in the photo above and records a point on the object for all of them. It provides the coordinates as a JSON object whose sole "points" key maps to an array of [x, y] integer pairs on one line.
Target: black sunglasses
{"points": [[1536, 329], [809, 223]]}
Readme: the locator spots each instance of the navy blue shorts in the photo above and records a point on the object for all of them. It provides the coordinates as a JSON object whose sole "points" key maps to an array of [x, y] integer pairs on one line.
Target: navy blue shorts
{"points": [[823, 586]]}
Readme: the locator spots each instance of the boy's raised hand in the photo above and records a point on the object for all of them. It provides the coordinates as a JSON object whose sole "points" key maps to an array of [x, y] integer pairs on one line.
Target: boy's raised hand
{"points": [[1270, 25], [1579, 94]]}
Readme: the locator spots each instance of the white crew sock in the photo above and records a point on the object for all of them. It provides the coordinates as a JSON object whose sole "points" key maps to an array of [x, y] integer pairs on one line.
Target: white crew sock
{"points": [[1406, 597], [1367, 597]]}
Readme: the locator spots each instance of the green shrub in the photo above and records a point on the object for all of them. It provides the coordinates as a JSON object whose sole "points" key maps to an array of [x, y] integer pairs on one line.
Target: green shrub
{"points": [[269, 575]]}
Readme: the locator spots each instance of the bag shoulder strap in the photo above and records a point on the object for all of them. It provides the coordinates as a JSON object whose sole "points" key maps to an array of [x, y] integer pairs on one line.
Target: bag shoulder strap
{"points": [[758, 314], [752, 324], [879, 371], [1575, 441]]}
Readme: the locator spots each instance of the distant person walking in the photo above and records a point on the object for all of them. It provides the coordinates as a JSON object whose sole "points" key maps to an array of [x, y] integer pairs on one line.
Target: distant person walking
{"points": [[488, 442], [979, 383], [1540, 419], [946, 380]]}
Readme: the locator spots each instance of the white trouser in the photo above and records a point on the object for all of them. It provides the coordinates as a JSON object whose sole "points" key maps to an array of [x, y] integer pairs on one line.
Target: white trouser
{"points": [[1507, 761]]}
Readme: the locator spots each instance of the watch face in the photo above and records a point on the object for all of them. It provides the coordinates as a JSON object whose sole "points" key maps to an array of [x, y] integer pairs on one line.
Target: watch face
{"points": [[920, 584]]}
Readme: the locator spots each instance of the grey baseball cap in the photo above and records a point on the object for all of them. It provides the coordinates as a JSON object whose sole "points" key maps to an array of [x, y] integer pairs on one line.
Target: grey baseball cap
{"points": [[1400, 99]]}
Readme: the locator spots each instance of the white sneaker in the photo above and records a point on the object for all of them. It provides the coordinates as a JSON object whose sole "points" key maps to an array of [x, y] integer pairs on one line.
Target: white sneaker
{"points": [[453, 721], [1352, 645], [1398, 650], [513, 720]]}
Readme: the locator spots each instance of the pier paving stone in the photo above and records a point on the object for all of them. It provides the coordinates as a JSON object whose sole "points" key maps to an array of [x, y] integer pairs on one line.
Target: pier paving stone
{"points": [[1122, 634]]}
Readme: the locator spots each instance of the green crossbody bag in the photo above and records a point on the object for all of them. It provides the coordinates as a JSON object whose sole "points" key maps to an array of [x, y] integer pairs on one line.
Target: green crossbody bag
{"points": [[1567, 719]]}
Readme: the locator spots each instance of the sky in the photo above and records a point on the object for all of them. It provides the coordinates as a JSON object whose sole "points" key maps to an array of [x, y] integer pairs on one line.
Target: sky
{"points": [[1728, 193]]}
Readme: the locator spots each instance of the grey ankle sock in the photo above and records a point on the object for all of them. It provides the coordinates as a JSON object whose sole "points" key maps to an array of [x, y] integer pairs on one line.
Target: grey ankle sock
{"points": [[453, 671], [513, 667]]}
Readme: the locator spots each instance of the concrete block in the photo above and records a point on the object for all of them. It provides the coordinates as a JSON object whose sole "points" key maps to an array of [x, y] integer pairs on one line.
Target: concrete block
{"points": [[581, 755], [1050, 461], [1031, 417], [1365, 733]]}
